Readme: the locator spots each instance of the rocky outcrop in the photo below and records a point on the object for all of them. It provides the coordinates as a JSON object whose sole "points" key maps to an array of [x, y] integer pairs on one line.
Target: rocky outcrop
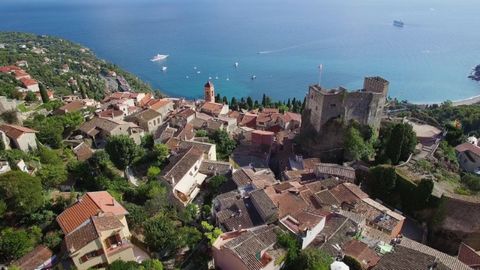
{"points": [[475, 75]]}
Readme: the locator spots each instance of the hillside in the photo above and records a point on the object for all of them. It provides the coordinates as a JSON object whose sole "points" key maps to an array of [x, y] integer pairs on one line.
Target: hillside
{"points": [[61, 66]]}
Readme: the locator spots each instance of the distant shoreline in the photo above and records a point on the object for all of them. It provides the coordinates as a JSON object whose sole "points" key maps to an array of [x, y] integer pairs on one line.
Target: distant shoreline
{"points": [[466, 101]]}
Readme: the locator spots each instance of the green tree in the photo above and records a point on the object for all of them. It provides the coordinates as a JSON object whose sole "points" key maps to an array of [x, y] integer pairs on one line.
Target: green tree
{"points": [[398, 142], [313, 259], [30, 97], [53, 239], [189, 236], [382, 180], [153, 264], [423, 193], [43, 93], [216, 182], [52, 175], [14, 244], [210, 232], [201, 133], [3, 208], [21, 192], [48, 156], [122, 150], [161, 233], [153, 172], [249, 103], [225, 145], [71, 121], [355, 146], [190, 213], [147, 141], [161, 152]]}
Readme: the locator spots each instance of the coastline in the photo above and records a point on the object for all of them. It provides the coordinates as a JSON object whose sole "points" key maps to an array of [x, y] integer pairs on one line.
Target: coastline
{"points": [[466, 101]]}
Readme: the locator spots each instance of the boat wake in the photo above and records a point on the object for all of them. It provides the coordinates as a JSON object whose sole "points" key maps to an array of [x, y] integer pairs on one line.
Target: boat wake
{"points": [[294, 46]]}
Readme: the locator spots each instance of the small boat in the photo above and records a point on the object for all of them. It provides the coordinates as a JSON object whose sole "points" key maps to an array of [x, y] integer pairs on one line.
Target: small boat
{"points": [[210, 78], [228, 79], [164, 68], [236, 64], [398, 23], [194, 67], [216, 77], [187, 77], [159, 57], [253, 77], [198, 72]]}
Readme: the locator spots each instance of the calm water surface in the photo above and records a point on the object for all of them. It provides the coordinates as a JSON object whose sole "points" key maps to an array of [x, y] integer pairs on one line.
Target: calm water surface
{"points": [[426, 61]]}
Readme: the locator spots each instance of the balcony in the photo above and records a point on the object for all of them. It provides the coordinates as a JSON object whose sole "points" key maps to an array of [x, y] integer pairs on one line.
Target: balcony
{"points": [[117, 248]]}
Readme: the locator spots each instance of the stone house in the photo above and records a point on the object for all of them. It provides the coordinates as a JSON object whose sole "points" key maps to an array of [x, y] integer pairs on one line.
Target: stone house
{"points": [[149, 120], [18, 137], [182, 173], [99, 129], [214, 109], [468, 156], [255, 248], [96, 231]]}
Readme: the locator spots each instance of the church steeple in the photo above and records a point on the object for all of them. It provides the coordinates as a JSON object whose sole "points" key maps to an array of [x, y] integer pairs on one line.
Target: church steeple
{"points": [[209, 92]]}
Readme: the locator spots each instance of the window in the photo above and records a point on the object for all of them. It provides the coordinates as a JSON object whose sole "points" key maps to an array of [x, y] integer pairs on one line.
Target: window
{"points": [[113, 241]]}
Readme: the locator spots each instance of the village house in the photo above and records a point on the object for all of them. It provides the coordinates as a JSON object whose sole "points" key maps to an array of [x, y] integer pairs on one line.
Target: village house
{"points": [[468, 155], [214, 109], [74, 106], [327, 170], [209, 150], [182, 173], [96, 231], [306, 225], [99, 129], [469, 256], [111, 114], [149, 120], [30, 84], [41, 257], [163, 106], [18, 137], [252, 249]]}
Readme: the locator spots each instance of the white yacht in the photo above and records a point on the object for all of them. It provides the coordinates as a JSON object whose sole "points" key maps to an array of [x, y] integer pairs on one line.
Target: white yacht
{"points": [[159, 57]]}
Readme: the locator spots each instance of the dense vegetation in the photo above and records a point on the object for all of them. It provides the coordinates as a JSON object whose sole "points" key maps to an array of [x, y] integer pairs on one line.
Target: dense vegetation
{"points": [[46, 63]]}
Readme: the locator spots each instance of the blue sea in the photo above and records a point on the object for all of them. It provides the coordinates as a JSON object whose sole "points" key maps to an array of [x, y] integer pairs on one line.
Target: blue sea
{"points": [[428, 60]]}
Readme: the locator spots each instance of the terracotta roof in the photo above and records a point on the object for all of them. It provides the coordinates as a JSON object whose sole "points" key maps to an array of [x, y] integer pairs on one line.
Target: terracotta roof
{"points": [[408, 259], [156, 104], [186, 133], [238, 214], [34, 258], [362, 253], [289, 116], [6, 69], [210, 167], [179, 165], [110, 113], [335, 170], [106, 124], [14, 131], [83, 151], [468, 256], [147, 115], [243, 176], [344, 194], [249, 244], [106, 222], [73, 106], [186, 113], [301, 221], [81, 237], [249, 120], [264, 205], [468, 147], [212, 108], [28, 82], [89, 205]]}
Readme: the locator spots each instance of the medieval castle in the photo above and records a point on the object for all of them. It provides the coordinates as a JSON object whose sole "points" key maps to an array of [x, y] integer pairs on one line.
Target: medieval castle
{"points": [[364, 106]]}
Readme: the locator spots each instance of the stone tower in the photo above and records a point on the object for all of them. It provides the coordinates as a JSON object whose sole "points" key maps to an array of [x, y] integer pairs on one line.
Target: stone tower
{"points": [[209, 92]]}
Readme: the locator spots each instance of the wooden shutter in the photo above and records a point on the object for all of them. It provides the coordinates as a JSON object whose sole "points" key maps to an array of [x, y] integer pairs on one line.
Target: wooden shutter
{"points": [[83, 259], [118, 238]]}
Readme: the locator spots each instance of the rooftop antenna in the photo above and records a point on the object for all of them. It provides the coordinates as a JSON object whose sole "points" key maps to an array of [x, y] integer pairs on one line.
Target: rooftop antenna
{"points": [[320, 71]]}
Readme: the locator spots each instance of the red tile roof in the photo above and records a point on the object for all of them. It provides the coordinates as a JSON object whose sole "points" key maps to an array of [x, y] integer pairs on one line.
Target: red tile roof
{"points": [[362, 253], [468, 256], [156, 104], [14, 131], [28, 82], [468, 147], [90, 205], [289, 116], [35, 258], [110, 113], [6, 69]]}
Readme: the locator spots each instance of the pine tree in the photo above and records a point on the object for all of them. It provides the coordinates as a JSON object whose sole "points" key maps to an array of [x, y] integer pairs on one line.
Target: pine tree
{"points": [[218, 98], [43, 93], [249, 103], [225, 100], [264, 100]]}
